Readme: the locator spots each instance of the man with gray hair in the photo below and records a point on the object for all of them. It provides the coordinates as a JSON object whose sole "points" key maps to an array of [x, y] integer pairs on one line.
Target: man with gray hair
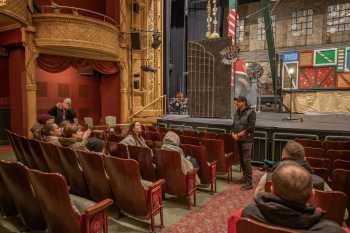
{"points": [[287, 205], [63, 111]]}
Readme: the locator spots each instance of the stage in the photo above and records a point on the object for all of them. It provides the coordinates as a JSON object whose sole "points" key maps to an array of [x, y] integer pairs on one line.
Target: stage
{"points": [[272, 130]]}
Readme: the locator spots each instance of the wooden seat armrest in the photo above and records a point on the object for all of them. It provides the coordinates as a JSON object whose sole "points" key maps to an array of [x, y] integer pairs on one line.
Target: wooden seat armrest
{"points": [[98, 207], [156, 184]]}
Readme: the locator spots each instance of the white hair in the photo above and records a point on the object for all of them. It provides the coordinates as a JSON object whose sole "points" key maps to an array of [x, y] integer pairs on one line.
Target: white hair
{"points": [[68, 101]]}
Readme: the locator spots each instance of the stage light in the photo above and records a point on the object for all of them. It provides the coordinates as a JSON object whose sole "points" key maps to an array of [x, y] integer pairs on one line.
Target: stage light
{"points": [[156, 40], [291, 71]]}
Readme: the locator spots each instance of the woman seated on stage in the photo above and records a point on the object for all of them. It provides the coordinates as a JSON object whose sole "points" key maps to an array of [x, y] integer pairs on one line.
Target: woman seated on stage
{"points": [[171, 141], [294, 151], [51, 133], [134, 137]]}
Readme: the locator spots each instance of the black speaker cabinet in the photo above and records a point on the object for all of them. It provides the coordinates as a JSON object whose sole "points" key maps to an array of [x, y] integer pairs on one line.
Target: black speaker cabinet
{"points": [[135, 41]]}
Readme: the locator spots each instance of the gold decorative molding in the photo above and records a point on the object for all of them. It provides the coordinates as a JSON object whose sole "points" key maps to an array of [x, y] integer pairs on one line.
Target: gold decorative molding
{"points": [[9, 27], [76, 36], [15, 9]]}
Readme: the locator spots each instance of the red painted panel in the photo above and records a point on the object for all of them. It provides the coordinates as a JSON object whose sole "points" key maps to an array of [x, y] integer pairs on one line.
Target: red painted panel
{"points": [[4, 77], [17, 97], [113, 9], [71, 81], [12, 37], [110, 96], [94, 5]]}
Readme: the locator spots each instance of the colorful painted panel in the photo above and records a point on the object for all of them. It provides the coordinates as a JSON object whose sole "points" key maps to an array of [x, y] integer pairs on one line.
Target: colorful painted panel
{"points": [[325, 77], [325, 57], [341, 60], [347, 59], [343, 80], [305, 58], [317, 78], [307, 78], [290, 56]]}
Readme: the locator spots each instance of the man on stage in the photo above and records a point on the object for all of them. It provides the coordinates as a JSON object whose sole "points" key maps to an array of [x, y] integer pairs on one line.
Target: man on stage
{"points": [[243, 132]]}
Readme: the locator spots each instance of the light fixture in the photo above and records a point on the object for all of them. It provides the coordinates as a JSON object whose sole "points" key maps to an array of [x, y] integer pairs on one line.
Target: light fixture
{"points": [[291, 71], [156, 40]]}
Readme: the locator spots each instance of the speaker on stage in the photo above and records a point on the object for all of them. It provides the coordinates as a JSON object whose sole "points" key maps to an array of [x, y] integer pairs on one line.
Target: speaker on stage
{"points": [[135, 41]]}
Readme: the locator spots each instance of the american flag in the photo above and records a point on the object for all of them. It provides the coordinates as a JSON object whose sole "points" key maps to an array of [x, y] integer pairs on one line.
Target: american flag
{"points": [[232, 20]]}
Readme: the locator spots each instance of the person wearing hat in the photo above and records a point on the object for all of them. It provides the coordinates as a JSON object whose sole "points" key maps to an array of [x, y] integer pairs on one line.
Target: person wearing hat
{"points": [[242, 131], [63, 111]]}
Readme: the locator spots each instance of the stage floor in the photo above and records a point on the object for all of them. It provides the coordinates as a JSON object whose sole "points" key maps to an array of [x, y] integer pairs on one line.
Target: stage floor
{"points": [[334, 123]]}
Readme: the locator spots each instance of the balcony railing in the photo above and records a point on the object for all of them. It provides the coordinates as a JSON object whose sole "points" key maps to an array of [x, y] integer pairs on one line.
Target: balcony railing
{"points": [[15, 9]]}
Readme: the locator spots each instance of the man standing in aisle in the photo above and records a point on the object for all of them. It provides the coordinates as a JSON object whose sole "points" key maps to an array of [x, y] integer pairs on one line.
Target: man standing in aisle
{"points": [[243, 132]]}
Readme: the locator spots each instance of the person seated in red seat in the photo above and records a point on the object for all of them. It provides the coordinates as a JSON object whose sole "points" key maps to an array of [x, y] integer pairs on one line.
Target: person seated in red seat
{"points": [[287, 205], [294, 151], [171, 141], [73, 137], [42, 120], [134, 137], [51, 133]]}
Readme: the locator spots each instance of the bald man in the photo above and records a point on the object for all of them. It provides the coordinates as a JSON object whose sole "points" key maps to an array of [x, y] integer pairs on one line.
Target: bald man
{"points": [[287, 205]]}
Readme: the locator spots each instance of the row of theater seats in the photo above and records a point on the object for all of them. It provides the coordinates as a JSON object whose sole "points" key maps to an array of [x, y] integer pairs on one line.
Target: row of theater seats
{"points": [[205, 147], [94, 176]]}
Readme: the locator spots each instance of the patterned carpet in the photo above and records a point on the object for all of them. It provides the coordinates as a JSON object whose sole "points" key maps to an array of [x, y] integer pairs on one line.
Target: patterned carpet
{"points": [[212, 216]]}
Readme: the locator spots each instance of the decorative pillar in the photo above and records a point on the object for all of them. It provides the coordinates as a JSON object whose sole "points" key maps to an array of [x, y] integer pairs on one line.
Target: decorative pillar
{"points": [[124, 43], [29, 73]]}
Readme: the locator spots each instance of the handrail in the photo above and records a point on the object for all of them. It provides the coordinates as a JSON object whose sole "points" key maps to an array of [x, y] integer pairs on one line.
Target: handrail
{"points": [[77, 11], [148, 105]]}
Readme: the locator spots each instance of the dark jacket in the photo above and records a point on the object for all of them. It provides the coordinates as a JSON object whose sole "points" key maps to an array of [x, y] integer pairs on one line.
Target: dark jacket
{"points": [[59, 113], [270, 209], [245, 120]]}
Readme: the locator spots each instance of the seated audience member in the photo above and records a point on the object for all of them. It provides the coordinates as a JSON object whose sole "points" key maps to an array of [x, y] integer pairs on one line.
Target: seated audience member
{"points": [[95, 145], [287, 205], [134, 137], [294, 151], [171, 141], [51, 133], [73, 137], [38, 126]]}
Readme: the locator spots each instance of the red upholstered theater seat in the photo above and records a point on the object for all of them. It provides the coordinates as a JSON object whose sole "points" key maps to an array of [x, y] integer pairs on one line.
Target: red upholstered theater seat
{"points": [[52, 192], [118, 150], [314, 152], [338, 154], [309, 142], [52, 157], [336, 145], [341, 164], [39, 156], [190, 140], [143, 200], [176, 183], [144, 156], [319, 162]]}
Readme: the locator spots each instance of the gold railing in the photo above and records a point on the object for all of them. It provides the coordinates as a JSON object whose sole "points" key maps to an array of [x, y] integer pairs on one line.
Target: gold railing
{"points": [[160, 98], [77, 11]]}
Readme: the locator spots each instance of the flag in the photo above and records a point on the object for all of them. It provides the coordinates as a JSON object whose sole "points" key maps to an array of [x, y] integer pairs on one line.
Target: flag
{"points": [[232, 20]]}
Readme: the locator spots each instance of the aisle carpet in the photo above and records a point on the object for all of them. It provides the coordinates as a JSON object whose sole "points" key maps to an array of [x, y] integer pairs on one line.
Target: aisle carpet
{"points": [[212, 216]]}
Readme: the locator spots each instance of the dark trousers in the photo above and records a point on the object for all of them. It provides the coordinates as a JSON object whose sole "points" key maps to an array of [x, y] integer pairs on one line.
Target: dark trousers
{"points": [[245, 152]]}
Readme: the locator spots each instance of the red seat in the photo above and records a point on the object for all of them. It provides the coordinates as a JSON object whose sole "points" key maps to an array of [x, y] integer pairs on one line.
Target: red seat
{"points": [[144, 156], [39, 155], [118, 150], [73, 171], [208, 135], [52, 192], [152, 135], [176, 183], [190, 140], [341, 182], [336, 145], [309, 142], [95, 175], [16, 179], [319, 162], [338, 154], [115, 138], [27, 153], [14, 144], [341, 164], [52, 157], [246, 225], [314, 152], [190, 133], [333, 202], [7, 205], [162, 130], [129, 193], [207, 170], [216, 152]]}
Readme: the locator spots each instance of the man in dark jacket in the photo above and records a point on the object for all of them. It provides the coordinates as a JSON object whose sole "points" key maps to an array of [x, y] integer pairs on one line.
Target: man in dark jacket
{"points": [[243, 132], [63, 112], [287, 205]]}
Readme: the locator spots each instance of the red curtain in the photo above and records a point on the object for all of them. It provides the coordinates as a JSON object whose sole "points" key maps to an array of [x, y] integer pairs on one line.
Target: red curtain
{"points": [[55, 64]]}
